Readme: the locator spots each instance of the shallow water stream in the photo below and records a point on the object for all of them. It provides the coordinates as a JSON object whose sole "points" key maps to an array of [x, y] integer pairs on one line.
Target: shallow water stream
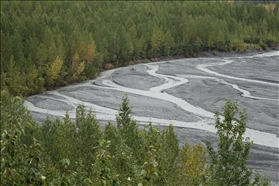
{"points": [[184, 93]]}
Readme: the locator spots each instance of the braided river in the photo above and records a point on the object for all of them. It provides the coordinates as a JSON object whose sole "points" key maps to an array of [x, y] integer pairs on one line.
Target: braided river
{"points": [[184, 93]]}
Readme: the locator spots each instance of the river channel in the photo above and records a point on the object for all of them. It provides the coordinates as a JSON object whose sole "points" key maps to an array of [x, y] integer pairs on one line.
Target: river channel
{"points": [[183, 93]]}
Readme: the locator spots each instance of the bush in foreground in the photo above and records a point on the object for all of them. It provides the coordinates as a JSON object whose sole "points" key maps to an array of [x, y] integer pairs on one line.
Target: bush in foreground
{"points": [[79, 153]]}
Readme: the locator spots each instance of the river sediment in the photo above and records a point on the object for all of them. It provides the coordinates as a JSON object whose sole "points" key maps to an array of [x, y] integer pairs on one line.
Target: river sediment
{"points": [[183, 92]]}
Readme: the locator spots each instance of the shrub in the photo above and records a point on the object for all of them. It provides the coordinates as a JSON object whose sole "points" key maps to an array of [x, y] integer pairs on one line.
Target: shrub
{"points": [[109, 66]]}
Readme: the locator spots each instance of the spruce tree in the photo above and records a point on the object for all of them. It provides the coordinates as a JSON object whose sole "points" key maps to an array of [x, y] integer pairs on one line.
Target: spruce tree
{"points": [[128, 128]]}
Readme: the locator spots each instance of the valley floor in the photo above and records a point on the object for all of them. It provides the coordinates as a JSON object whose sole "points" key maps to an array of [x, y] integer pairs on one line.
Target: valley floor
{"points": [[185, 93]]}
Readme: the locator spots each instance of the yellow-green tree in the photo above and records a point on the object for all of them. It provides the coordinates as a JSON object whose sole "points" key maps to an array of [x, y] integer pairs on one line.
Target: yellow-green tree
{"points": [[157, 40], [191, 164], [90, 53], [77, 67], [54, 70], [79, 70]]}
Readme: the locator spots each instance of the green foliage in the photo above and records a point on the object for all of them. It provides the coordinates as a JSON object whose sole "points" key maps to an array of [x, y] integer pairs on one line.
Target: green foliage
{"points": [[33, 34], [12, 77], [228, 164], [54, 70], [77, 152], [168, 153], [87, 136], [77, 67], [191, 165], [111, 134], [123, 118], [21, 162], [262, 44], [103, 166], [149, 170], [127, 127], [157, 40]]}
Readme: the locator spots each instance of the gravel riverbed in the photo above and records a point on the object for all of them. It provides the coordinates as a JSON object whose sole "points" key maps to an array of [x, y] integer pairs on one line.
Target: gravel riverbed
{"points": [[184, 92]]}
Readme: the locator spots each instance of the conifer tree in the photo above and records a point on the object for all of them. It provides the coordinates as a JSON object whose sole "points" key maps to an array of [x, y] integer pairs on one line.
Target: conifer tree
{"points": [[13, 78], [157, 40], [90, 53], [31, 77], [167, 154], [88, 135], [125, 31], [128, 129], [111, 134], [77, 67], [54, 70], [133, 33], [169, 42]]}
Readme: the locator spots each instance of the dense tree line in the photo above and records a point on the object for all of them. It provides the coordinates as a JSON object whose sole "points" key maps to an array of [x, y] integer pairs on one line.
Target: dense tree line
{"points": [[54, 43], [67, 152]]}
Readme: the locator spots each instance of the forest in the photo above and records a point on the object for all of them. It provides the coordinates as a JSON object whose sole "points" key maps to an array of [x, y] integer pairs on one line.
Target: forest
{"points": [[49, 44], [79, 152], [45, 45]]}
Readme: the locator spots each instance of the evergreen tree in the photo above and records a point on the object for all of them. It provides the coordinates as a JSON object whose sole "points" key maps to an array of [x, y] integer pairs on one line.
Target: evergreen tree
{"points": [[123, 32], [90, 53], [128, 129], [13, 78], [54, 70], [77, 152], [77, 67], [88, 134], [169, 43], [157, 40], [167, 157], [30, 75], [111, 134]]}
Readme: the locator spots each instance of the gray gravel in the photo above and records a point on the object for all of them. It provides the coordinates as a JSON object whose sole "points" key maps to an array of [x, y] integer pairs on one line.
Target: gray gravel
{"points": [[207, 92]]}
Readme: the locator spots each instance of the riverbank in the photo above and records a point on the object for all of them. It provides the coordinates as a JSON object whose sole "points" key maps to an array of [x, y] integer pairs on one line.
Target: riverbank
{"points": [[211, 54], [183, 92]]}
